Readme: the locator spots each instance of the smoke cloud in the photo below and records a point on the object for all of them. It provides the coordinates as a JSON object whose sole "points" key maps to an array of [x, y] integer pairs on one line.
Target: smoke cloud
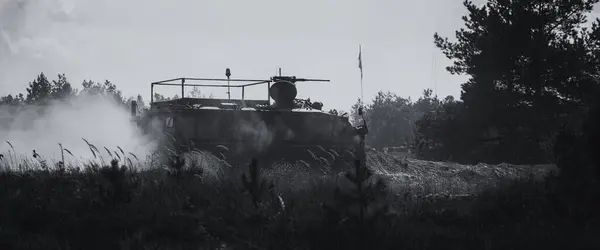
{"points": [[254, 131], [98, 119]]}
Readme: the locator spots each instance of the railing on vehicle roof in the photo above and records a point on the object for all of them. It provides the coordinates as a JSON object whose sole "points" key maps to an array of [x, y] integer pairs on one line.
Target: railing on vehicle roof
{"points": [[183, 84]]}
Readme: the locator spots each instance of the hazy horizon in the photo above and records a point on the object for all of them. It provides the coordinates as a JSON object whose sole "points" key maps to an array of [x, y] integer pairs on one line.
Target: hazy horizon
{"points": [[132, 43]]}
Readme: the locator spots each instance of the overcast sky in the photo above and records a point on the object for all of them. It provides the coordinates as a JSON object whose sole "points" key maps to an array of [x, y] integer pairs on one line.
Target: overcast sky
{"points": [[134, 42]]}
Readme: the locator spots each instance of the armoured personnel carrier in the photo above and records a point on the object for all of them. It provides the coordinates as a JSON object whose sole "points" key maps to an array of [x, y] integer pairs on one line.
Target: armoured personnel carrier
{"points": [[289, 129]]}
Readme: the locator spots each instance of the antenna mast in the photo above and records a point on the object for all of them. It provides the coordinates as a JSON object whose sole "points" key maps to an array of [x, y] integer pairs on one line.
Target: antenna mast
{"points": [[360, 66], [228, 75]]}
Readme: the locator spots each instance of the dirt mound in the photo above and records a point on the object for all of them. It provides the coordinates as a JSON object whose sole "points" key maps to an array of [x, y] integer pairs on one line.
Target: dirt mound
{"points": [[403, 173], [448, 177]]}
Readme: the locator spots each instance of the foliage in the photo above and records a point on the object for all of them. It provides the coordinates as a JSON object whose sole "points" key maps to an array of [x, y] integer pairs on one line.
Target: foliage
{"points": [[99, 207], [360, 210], [530, 64], [197, 93], [254, 185], [442, 133], [106, 88], [194, 93], [12, 100], [533, 72], [391, 119], [41, 90]]}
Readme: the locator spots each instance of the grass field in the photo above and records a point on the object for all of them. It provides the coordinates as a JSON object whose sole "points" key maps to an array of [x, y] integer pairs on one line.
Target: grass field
{"points": [[209, 205]]}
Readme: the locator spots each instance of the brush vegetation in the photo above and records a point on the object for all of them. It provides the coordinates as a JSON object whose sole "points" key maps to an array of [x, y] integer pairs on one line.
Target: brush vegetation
{"points": [[184, 206], [531, 97]]}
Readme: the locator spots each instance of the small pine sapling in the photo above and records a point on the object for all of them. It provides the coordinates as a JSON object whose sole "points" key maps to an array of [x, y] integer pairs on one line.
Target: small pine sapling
{"points": [[119, 187], [259, 190], [359, 211], [254, 185], [175, 168]]}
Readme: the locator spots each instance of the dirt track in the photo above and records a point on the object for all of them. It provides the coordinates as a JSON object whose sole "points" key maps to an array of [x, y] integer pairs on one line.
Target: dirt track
{"points": [[447, 177], [427, 177]]}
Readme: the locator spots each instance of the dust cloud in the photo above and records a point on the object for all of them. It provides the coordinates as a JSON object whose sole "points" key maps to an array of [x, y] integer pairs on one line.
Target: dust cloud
{"points": [[31, 42], [255, 131], [96, 118]]}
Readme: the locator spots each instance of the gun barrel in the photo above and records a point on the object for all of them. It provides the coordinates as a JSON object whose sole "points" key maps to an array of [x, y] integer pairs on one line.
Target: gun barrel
{"points": [[311, 80]]}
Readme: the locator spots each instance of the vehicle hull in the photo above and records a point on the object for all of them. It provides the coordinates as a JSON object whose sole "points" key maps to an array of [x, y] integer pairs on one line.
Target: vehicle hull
{"points": [[237, 135]]}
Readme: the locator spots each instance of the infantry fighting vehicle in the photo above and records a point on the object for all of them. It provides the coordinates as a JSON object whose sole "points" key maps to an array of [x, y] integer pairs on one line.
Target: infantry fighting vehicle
{"points": [[289, 128]]}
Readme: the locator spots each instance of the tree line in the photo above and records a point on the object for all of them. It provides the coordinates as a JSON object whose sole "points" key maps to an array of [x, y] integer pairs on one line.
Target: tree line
{"points": [[42, 90], [533, 67], [534, 71]]}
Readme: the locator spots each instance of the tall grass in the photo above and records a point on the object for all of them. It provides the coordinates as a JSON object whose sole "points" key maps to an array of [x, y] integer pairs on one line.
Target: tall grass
{"points": [[187, 204]]}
